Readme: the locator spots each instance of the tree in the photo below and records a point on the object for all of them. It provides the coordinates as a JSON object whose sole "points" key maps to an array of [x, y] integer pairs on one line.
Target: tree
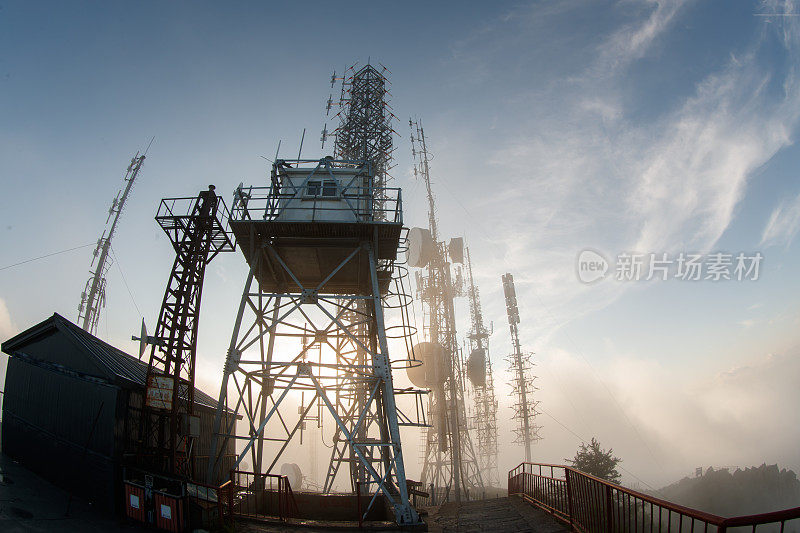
{"points": [[592, 459]]}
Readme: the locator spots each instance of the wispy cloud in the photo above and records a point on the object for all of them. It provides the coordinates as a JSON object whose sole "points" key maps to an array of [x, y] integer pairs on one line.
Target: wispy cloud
{"points": [[582, 166], [595, 173], [693, 175], [783, 224], [634, 40]]}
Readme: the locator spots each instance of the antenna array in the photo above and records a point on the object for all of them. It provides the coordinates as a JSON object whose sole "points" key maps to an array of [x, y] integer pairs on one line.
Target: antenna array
{"points": [[479, 368], [93, 298], [450, 461], [364, 132], [520, 366]]}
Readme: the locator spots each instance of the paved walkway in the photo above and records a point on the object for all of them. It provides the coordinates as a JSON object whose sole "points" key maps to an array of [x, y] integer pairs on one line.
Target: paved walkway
{"points": [[507, 514]]}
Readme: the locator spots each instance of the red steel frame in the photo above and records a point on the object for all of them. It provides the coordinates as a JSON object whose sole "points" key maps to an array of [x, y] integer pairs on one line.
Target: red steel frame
{"points": [[590, 504]]}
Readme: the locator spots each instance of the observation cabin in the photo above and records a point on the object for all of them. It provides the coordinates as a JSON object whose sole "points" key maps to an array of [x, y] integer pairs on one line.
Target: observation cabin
{"points": [[306, 232]]}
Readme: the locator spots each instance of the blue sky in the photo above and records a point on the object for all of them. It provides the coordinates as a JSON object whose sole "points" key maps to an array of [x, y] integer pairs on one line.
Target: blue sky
{"points": [[619, 126]]}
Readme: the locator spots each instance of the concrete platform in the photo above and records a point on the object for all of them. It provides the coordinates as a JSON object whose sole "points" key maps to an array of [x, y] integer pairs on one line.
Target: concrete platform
{"points": [[507, 515]]}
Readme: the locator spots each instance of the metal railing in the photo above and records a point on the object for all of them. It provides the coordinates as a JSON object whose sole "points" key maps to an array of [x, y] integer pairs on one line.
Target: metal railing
{"points": [[250, 495], [207, 498], [290, 204], [326, 190], [178, 215], [590, 504]]}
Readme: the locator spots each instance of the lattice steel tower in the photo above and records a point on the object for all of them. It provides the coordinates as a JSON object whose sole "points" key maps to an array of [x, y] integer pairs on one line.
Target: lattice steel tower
{"points": [[364, 133], [365, 129], [93, 298], [479, 371], [520, 366], [450, 462], [196, 229], [321, 242]]}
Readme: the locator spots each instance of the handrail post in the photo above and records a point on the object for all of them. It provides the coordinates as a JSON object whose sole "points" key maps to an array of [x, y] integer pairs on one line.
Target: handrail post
{"points": [[610, 510], [221, 506], [358, 499], [231, 489], [569, 498], [280, 497]]}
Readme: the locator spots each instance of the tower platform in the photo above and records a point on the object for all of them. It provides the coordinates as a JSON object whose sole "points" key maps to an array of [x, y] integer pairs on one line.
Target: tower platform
{"points": [[309, 229]]}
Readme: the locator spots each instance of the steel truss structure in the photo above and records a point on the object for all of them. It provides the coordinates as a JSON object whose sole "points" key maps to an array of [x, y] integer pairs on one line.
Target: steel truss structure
{"points": [[311, 324], [93, 298], [450, 462], [485, 419], [196, 229], [522, 380], [364, 133]]}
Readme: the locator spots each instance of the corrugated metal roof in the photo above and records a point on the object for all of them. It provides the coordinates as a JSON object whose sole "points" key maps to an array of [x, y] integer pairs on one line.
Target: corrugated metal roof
{"points": [[115, 360], [118, 364]]}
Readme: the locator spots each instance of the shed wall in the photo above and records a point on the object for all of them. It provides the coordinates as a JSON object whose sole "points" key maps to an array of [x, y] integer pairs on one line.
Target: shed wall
{"points": [[47, 426]]}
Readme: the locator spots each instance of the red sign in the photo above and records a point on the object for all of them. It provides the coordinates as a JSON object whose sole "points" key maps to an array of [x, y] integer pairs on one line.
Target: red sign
{"points": [[159, 392]]}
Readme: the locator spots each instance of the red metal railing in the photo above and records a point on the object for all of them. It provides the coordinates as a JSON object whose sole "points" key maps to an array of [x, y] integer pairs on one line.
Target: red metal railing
{"points": [[253, 495], [592, 505]]}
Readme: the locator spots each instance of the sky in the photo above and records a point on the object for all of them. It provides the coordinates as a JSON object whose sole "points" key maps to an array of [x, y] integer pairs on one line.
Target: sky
{"points": [[621, 127]]}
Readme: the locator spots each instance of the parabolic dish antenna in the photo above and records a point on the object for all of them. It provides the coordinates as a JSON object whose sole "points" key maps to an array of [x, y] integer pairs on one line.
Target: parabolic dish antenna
{"points": [[476, 367], [142, 340], [456, 250], [432, 370], [420, 247], [293, 474]]}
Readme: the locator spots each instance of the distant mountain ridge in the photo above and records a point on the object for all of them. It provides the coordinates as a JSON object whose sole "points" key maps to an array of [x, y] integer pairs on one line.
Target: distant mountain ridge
{"points": [[750, 491]]}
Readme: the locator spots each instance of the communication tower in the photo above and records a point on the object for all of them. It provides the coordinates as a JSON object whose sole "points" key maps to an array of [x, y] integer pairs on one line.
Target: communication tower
{"points": [[520, 366], [321, 241], [196, 227], [479, 371], [450, 463], [364, 133], [93, 298]]}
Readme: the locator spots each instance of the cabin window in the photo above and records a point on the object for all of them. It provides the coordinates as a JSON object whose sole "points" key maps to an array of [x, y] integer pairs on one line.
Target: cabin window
{"points": [[329, 188], [313, 187]]}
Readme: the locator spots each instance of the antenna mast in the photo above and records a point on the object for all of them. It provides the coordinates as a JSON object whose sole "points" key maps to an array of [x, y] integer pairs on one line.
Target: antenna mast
{"points": [[93, 298], [450, 462], [520, 366], [364, 133], [365, 128], [479, 369]]}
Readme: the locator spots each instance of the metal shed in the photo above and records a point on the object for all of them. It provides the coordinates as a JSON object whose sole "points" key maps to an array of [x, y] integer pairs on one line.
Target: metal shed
{"points": [[71, 409]]}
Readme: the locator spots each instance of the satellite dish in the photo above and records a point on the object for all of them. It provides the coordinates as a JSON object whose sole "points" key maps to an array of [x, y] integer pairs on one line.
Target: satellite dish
{"points": [[420, 247], [142, 340], [293, 474], [432, 370], [476, 367]]}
